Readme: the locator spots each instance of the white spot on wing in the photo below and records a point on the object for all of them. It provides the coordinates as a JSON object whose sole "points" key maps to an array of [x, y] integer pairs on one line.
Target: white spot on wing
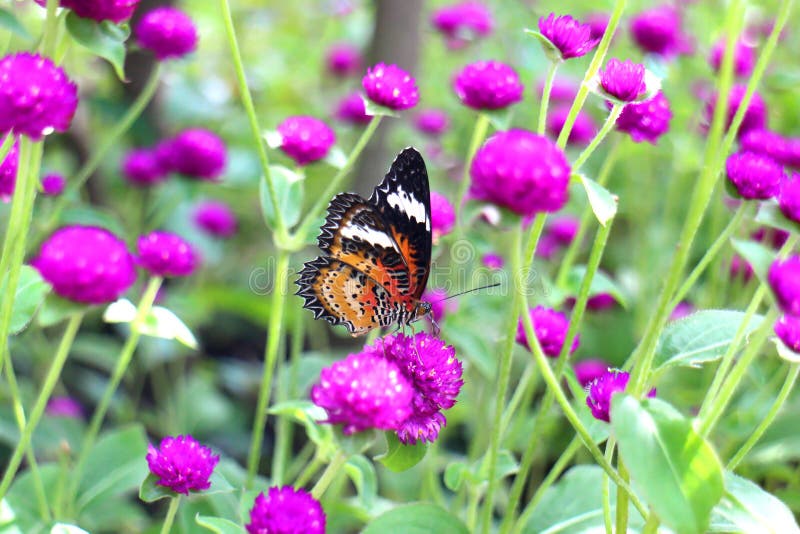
{"points": [[403, 202], [373, 237]]}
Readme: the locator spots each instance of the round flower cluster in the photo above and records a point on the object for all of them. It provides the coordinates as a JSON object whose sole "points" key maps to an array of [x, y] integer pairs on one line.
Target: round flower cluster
{"points": [[646, 121], [64, 407], [623, 81], [215, 218], [754, 176], [391, 87], [787, 328], [53, 184], [443, 215], [168, 32], [462, 22], [195, 153], [784, 279], [305, 139], [789, 197], [8, 171], [755, 117], [784, 150], [559, 233], [433, 122], [114, 10], [603, 388], [142, 167], [487, 85], [351, 109], [551, 328], [493, 261], [343, 59], [658, 31], [744, 57], [587, 371], [182, 464], [568, 35], [166, 254], [286, 510]]}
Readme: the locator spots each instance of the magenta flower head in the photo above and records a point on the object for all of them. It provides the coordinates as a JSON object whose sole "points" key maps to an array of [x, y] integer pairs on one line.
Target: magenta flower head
{"points": [[197, 153], [114, 10], [754, 176], [36, 97], [563, 229], [682, 309], [463, 22], [493, 261], [598, 22], [142, 167], [646, 121], [286, 510], [587, 371], [166, 254], [551, 329], [789, 197], [755, 118], [487, 85], [432, 122], [740, 268], [182, 464], [744, 57], [443, 215], [523, 171], [86, 264], [343, 59], [391, 87], [8, 171], [363, 391], [658, 31], [623, 81], [583, 129], [215, 218], [784, 279], [772, 237], [603, 388], [53, 184], [351, 109], [305, 139], [168, 32], [567, 35], [439, 306], [768, 143], [787, 328], [64, 407]]}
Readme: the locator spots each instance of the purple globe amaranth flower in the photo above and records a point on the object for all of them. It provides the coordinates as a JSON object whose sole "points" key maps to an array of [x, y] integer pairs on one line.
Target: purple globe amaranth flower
{"points": [[603, 388], [114, 10], [587, 371], [789, 197], [787, 328], [86, 264], [166, 254], [443, 215], [439, 306], [598, 22], [64, 407], [562, 91], [215, 218], [583, 129], [142, 167], [53, 184], [563, 228], [770, 144], [391, 87], [744, 57], [8, 171], [755, 118], [784, 279], [740, 268], [343, 59], [462, 22], [547, 247], [623, 81], [646, 121], [487, 85], [364, 391], [754, 176], [521, 170], [598, 302], [551, 330], [286, 510], [182, 464], [305, 139], [681, 310], [493, 261], [197, 153], [36, 96], [351, 109], [658, 31], [168, 32], [433, 122], [773, 237], [567, 35]]}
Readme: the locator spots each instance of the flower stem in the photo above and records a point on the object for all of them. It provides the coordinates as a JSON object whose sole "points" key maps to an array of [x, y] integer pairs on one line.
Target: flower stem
{"points": [[308, 472], [788, 384], [594, 66], [651, 525], [274, 334], [328, 475], [611, 120], [50, 381], [622, 499], [174, 502], [50, 31], [545, 103], [5, 147], [607, 521], [478, 135]]}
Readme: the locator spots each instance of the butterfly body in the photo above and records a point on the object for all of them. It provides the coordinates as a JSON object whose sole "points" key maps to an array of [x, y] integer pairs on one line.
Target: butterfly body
{"points": [[376, 253]]}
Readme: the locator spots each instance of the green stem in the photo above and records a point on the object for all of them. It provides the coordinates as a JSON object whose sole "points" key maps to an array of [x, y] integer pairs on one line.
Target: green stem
{"points": [[525, 382], [250, 111], [622, 500], [309, 471], [274, 334], [5, 147], [50, 31], [478, 135], [783, 394], [710, 255], [651, 525], [611, 120], [328, 475], [174, 502], [591, 72], [607, 522], [284, 426], [545, 103], [46, 390]]}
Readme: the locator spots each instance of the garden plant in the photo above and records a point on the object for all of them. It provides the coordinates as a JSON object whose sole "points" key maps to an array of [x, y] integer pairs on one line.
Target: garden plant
{"points": [[569, 265]]}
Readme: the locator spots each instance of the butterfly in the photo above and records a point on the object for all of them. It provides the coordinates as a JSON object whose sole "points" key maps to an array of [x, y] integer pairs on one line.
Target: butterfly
{"points": [[376, 253]]}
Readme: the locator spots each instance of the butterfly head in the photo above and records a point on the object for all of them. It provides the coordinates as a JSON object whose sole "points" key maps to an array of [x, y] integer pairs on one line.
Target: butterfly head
{"points": [[423, 308]]}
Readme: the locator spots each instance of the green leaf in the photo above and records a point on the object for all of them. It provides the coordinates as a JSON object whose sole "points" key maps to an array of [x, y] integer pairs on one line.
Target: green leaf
{"points": [[150, 491], [785, 352], [701, 337], [748, 508], [307, 414], [289, 192], [549, 49], [365, 479], [104, 39], [159, 322], [506, 465], [770, 215], [455, 474], [601, 283], [400, 457], [417, 518], [218, 524], [676, 470], [10, 23], [757, 255], [336, 157], [55, 309], [31, 291], [374, 110], [603, 203]]}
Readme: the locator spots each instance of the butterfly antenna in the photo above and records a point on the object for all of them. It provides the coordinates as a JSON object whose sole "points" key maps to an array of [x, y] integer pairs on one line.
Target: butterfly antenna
{"points": [[470, 291]]}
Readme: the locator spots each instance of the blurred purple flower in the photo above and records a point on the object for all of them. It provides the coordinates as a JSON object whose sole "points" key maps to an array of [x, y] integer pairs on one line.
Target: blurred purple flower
{"points": [[583, 129], [562, 91], [551, 330], [487, 85], [391, 87], [787, 328], [646, 121], [785, 151], [493, 261], [623, 81], [182, 464], [8, 171], [658, 31], [53, 184], [215, 218], [754, 176], [567, 35], [463, 22], [64, 407], [773, 237], [114, 10], [166, 254], [784, 279], [197, 153], [305, 139], [433, 122], [443, 215], [343, 59], [755, 118], [286, 510], [168, 32], [740, 268], [682, 309], [587, 371], [789, 197], [598, 22], [603, 388], [563, 228], [744, 57], [142, 167], [351, 109]]}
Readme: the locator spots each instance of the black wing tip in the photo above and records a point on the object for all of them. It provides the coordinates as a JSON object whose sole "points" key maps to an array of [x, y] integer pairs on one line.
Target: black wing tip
{"points": [[337, 207]]}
